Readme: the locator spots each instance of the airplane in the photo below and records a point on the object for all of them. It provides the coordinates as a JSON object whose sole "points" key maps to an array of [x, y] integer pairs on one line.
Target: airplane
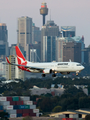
{"points": [[46, 67]]}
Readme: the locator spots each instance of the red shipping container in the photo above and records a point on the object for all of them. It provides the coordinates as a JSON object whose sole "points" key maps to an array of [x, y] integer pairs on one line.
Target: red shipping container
{"points": [[19, 102], [34, 103], [12, 103], [25, 114], [25, 111], [19, 111], [1, 110], [30, 110], [68, 118], [9, 98], [34, 114]]}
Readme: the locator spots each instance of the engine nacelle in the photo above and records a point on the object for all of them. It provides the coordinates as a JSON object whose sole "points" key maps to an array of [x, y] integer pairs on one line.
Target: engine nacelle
{"points": [[65, 73], [47, 71]]}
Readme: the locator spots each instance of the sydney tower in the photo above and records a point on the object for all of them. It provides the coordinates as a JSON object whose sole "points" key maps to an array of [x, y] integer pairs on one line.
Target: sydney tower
{"points": [[43, 11]]}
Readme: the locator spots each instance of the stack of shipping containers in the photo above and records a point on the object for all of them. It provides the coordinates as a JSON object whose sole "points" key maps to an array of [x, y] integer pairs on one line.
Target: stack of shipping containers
{"points": [[18, 106]]}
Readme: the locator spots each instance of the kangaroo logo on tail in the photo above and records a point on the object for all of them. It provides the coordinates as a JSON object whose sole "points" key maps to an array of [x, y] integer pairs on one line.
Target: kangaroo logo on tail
{"points": [[22, 61], [20, 57]]}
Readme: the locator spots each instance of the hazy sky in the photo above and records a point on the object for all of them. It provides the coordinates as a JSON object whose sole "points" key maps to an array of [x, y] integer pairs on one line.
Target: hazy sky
{"points": [[63, 12]]}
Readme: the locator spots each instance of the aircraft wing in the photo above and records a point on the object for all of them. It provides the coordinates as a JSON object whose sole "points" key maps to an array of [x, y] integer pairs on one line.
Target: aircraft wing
{"points": [[29, 67]]}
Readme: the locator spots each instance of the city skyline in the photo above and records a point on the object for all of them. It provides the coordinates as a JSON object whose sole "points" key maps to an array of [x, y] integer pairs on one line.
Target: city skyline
{"points": [[64, 13]]}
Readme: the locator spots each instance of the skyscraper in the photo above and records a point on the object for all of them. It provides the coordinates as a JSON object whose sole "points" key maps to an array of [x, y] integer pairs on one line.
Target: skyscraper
{"points": [[36, 34], [59, 48], [24, 31], [49, 29], [72, 50], [3, 41], [49, 48], [68, 31]]}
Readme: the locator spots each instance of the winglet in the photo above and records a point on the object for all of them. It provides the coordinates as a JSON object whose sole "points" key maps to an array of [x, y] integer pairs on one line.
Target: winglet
{"points": [[8, 60]]}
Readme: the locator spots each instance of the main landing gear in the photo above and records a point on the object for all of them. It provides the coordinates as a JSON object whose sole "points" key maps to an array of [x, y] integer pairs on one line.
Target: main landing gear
{"points": [[77, 73], [43, 75], [53, 75]]}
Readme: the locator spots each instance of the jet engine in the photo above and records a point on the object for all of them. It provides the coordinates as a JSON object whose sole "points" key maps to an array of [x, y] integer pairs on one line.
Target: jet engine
{"points": [[65, 73], [47, 71]]}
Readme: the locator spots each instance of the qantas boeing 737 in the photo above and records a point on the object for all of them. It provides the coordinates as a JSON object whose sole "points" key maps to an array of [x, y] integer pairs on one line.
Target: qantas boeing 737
{"points": [[46, 67]]}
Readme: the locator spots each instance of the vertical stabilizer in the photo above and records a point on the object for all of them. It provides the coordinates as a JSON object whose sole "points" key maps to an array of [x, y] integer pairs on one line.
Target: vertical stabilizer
{"points": [[20, 58]]}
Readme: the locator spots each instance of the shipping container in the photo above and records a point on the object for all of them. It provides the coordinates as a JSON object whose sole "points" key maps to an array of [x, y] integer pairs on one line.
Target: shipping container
{"points": [[19, 115], [30, 110], [4, 102], [12, 103], [1, 107], [9, 98], [35, 110], [11, 111], [28, 102], [8, 107], [21, 106], [25, 111], [24, 98], [73, 116], [19, 111], [15, 107], [33, 114], [37, 114], [1, 110], [32, 106], [27, 106], [19, 102], [13, 115], [25, 114], [16, 98], [3, 99], [61, 116], [68, 118]]}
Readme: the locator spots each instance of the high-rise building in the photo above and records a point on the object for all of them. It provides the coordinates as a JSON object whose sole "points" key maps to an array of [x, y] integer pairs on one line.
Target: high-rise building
{"points": [[24, 31], [49, 29], [3, 41], [72, 51], [13, 72], [87, 55], [33, 52], [49, 48], [77, 39], [68, 31], [36, 34], [59, 48]]}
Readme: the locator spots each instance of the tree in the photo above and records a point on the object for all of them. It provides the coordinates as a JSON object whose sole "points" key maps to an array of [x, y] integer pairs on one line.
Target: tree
{"points": [[57, 109], [87, 117], [4, 116]]}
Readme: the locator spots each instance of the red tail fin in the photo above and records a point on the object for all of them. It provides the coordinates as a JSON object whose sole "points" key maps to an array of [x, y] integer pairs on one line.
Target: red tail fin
{"points": [[20, 58]]}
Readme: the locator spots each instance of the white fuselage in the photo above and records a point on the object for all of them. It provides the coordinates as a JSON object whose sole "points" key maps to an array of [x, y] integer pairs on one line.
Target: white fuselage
{"points": [[58, 66]]}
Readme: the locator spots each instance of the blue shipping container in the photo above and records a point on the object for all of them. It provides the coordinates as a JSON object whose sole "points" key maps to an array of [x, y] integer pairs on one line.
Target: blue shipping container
{"points": [[21, 106], [15, 107], [19, 115], [1, 107]]}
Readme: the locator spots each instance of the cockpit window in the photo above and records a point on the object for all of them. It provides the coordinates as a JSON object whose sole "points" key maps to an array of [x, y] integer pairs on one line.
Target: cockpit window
{"points": [[78, 64]]}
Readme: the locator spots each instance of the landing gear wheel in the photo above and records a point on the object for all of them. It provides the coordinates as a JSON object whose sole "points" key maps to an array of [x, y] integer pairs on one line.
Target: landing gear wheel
{"points": [[43, 75], [53, 75], [76, 74]]}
